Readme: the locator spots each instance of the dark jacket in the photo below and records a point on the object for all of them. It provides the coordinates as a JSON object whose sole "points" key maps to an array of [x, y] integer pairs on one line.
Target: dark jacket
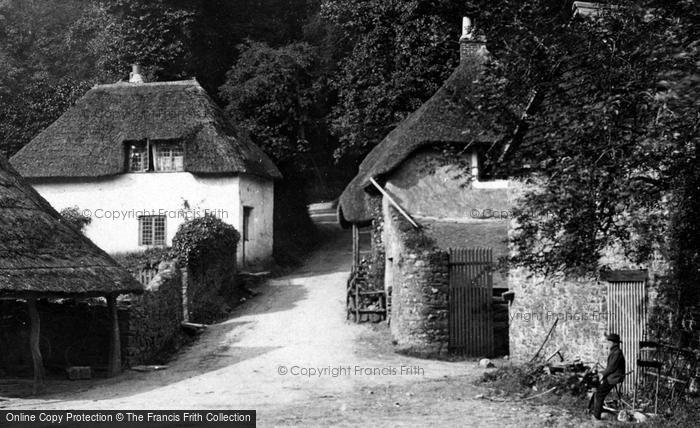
{"points": [[614, 373]]}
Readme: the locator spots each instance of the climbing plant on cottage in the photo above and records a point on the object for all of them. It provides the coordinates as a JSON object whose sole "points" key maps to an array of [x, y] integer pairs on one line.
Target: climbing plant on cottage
{"points": [[205, 237]]}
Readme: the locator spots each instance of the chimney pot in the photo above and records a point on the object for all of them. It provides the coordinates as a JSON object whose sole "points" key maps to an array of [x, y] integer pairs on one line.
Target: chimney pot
{"points": [[135, 76], [466, 28], [472, 44]]}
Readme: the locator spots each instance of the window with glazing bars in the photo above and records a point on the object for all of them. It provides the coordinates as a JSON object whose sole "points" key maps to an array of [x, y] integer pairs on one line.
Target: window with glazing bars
{"points": [[152, 230], [138, 157], [169, 157]]}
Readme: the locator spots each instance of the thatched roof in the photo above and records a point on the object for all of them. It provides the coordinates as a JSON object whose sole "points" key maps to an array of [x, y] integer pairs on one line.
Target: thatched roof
{"points": [[88, 139], [447, 118], [40, 254]]}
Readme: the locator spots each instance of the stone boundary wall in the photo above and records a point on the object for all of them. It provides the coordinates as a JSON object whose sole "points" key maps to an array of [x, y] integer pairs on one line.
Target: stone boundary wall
{"points": [[579, 304], [207, 288], [420, 290], [154, 317]]}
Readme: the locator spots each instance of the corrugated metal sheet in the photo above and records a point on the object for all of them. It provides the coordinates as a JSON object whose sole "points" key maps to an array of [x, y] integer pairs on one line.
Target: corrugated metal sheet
{"points": [[471, 295], [627, 316]]}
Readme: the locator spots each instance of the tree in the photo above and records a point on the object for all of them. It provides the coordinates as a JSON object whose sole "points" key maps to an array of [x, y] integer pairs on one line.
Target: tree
{"points": [[41, 75], [48, 46], [276, 95], [184, 39], [33, 43], [272, 93], [25, 113], [402, 52], [610, 139]]}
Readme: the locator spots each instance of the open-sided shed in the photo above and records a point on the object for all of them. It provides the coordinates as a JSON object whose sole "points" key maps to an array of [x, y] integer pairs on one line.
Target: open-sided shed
{"points": [[41, 256]]}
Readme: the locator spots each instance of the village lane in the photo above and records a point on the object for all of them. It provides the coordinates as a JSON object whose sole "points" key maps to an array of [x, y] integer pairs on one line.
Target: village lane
{"points": [[261, 357]]}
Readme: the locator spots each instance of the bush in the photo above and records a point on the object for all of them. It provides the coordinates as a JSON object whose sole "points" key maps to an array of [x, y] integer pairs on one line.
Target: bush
{"points": [[137, 261], [205, 237], [75, 217]]}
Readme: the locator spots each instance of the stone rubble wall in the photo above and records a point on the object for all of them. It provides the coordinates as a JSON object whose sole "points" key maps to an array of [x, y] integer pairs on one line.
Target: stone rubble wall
{"points": [[154, 317], [579, 304], [420, 290]]}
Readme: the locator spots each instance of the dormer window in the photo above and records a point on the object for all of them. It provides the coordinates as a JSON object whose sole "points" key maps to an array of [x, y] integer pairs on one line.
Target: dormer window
{"points": [[155, 156], [138, 157], [169, 157]]}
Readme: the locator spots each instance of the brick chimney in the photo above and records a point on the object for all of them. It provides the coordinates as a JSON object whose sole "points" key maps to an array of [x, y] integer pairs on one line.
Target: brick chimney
{"points": [[472, 43], [135, 76]]}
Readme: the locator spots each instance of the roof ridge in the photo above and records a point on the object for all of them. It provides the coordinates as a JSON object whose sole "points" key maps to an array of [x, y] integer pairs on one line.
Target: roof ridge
{"points": [[87, 140], [122, 84]]}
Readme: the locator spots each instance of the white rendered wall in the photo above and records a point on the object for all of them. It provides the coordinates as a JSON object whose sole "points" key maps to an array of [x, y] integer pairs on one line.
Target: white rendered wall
{"points": [[258, 194], [115, 203], [427, 187]]}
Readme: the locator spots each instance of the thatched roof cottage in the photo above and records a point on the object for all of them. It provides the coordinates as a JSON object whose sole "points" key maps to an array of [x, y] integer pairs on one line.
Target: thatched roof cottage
{"points": [[42, 257], [430, 165], [420, 202], [426, 174], [141, 158]]}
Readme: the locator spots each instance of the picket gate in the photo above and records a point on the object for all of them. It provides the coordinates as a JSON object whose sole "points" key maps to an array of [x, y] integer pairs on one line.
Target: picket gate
{"points": [[471, 312]]}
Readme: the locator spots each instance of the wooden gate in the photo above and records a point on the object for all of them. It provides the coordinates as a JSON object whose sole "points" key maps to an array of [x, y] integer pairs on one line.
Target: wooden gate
{"points": [[627, 317], [470, 302]]}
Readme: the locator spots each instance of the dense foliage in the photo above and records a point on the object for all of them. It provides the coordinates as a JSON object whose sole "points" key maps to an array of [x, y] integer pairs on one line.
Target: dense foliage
{"points": [[75, 217], [137, 261], [272, 93], [204, 238], [402, 52], [610, 142]]}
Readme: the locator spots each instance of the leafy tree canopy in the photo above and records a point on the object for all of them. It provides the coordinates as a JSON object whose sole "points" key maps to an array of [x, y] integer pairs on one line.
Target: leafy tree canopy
{"points": [[403, 51], [272, 93]]}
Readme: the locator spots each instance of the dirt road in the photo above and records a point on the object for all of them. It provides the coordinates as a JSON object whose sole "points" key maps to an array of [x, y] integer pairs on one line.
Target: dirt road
{"points": [[290, 354]]}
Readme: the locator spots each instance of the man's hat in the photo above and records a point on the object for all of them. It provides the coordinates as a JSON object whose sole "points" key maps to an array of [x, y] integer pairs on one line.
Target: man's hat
{"points": [[613, 337]]}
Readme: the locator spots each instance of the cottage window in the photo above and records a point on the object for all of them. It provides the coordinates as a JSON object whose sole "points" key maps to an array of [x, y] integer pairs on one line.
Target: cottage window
{"points": [[168, 157], [152, 230], [155, 156], [138, 157]]}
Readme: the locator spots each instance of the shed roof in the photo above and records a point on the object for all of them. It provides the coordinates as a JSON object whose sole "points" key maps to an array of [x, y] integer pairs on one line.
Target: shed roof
{"points": [[88, 139], [40, 254], [447, 118]]}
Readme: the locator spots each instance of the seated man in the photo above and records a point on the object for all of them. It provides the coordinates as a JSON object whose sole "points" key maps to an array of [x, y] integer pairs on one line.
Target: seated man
{"points": [[613, 374]]}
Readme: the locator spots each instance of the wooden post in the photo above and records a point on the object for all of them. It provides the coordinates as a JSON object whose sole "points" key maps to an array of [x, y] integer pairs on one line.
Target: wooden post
{"points": [[34, 341], [393, 202], [357, 303], [185, 287], [355, 247], [114, 365]]}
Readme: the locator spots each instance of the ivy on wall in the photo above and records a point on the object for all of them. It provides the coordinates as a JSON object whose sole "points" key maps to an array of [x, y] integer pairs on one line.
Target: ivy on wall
{"points": [[204, 238]]}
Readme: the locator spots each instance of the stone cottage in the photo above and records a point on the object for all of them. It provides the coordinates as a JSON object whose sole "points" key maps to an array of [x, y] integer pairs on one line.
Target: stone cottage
{"points": [[142, 158], [415, 176], [427, 173]]}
